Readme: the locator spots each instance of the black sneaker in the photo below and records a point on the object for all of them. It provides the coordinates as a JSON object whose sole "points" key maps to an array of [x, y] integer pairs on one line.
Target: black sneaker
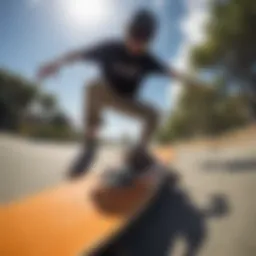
{"points": [[123, 177], [83, 162], [139, 159]]}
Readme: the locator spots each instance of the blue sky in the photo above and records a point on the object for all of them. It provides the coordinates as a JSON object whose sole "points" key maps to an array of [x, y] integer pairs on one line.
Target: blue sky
{"points": [[35, 31]]}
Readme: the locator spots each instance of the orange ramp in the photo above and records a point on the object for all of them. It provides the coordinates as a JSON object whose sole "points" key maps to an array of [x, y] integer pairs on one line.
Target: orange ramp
{"points": [[65, 221]]}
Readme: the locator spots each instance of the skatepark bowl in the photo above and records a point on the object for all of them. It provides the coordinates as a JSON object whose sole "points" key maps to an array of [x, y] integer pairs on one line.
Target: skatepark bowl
{"points": [[210, 211]]}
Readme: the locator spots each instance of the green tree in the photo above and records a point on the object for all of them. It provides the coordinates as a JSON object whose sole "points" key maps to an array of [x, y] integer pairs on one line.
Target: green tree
{"points": [[48, 103], [204, 111], [16, 110], [16, 94], [230, 45], [60, 120]]}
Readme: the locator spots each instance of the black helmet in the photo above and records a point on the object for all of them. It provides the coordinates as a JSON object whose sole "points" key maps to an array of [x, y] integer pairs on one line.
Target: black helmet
{"points": [[143, 25]]}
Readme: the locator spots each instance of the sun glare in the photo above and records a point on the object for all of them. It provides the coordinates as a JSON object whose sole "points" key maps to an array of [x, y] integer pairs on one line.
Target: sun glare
{"points": [[86, 12]]}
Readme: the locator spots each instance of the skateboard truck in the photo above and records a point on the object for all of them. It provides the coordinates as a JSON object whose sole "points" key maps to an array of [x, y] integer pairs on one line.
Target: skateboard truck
{"points": [[137, 165], [116, 184]]}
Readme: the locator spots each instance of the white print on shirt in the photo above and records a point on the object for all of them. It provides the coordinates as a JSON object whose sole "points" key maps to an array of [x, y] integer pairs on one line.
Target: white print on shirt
{"points": [[127, 70]]}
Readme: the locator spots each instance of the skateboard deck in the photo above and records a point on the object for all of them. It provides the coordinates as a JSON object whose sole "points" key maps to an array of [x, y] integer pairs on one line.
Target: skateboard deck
{"points": [[75, 218]]}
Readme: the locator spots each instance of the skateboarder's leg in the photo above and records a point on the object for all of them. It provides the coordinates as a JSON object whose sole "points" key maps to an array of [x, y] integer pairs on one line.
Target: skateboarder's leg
{"points": [[93, 103], [150, 118], [144, 112], [138, 159], [139, 156]]}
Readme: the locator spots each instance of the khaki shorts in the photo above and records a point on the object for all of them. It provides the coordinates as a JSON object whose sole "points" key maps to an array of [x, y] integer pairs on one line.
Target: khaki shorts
{"points": [[99, 96]]}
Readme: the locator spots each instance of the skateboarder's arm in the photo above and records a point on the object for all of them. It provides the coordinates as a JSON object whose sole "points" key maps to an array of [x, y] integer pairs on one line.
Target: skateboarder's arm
{"points": [[158, 66], [70, 57], [183, 78], [96, 53], [54, 66]]}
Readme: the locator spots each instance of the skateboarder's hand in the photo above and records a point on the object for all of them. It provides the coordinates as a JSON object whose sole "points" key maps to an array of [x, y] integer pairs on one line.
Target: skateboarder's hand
{"points": [[48, 70], [187, 80], [195, 84]]}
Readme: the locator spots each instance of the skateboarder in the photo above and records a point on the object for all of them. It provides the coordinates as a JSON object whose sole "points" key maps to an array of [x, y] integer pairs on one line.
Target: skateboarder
{"points": [[124, 64]]}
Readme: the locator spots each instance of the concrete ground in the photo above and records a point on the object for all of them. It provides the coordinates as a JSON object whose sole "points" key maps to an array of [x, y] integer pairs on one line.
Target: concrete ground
{"points": [[212, 211]]}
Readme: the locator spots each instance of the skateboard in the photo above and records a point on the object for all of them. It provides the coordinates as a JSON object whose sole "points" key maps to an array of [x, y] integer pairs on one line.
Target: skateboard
{"points": [[76, 218]]}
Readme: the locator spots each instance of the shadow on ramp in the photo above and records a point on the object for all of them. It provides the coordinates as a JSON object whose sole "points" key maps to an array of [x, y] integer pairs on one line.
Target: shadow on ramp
{"points": [[173, 215]]}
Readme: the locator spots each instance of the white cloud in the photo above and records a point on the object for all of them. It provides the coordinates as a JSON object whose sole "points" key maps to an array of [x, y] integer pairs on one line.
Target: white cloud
{"points": [[192, 28]]}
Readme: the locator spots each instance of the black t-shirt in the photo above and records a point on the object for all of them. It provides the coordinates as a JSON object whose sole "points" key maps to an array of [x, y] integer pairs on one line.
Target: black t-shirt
{"points": [[122, 70]]}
